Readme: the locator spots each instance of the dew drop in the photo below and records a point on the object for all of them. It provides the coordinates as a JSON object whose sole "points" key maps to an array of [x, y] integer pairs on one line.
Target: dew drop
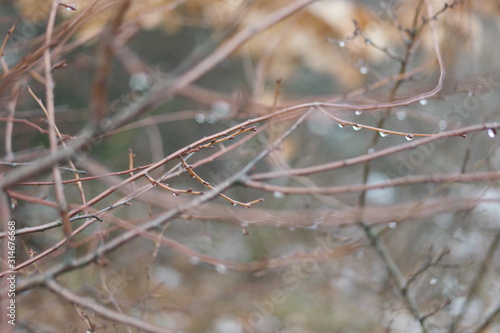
{"points": [[140, 81], [409, 137], [401, 115], [392, 224], [342, 44], [492, 133], [464, 135], [434, 280], [278, 195], [200, 118], [363, 70], [194, 260], [356, 127], [234, 204], [358, 112], [382, 134], [370, 151], [470, 93], [360, 254], [443, 125], [423, 101], [175, 194], [221, 269], [341, 125]]}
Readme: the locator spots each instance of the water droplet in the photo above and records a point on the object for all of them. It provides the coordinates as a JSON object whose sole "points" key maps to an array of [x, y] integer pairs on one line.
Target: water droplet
{"points": [[360, 254], [370, 151], [341, 125], [221, 269], [194, 260], [470, 93], [382, 134], [423, 101], [492, 133], [443, 125], [434, 280], [175, 194], [200, 118], [211, 119], [278, 195], [463, 135], [234, 204], [392, 224], [358, 112], [409, 137], [342, 43], [363, 70], [401, 115], [356, 127]]}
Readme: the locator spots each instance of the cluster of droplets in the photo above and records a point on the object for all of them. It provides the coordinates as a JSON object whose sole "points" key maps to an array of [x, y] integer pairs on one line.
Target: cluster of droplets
{"points": [[408, 137], [201, 118]]}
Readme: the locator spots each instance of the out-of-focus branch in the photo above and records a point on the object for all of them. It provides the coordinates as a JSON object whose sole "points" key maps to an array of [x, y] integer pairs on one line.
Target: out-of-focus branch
{"points": [[103, 311], [410, 180], [476, 282]]}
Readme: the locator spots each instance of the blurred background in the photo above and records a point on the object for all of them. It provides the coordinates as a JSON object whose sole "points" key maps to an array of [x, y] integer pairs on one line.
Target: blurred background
{"points": [[420, 257]]}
